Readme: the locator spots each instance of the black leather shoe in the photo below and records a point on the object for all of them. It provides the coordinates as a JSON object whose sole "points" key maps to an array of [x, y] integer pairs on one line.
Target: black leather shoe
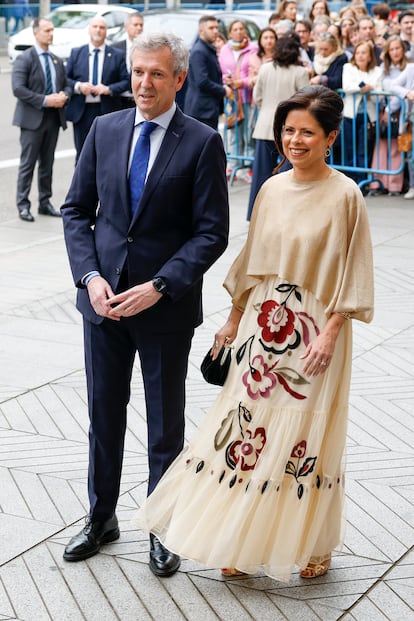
{"points": [[25, 215], [162, 562], [88, 542], [49, 210]]}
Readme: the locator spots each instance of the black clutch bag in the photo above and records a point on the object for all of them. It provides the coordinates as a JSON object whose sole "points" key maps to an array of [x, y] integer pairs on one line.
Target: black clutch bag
{"points": [[215, 371]]}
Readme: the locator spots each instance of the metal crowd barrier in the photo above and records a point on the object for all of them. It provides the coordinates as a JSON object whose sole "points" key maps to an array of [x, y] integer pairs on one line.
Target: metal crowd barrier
{"points": [[238, 141], [372, 139], [240, 150]]}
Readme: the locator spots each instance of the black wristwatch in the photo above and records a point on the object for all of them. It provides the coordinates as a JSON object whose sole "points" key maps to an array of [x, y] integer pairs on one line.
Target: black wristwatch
{"points": [[160, 285]]}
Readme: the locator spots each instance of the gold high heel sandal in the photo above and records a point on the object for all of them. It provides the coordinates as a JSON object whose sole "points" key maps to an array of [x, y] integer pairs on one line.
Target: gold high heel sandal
{"points": [[228, 572], [315, 570]]}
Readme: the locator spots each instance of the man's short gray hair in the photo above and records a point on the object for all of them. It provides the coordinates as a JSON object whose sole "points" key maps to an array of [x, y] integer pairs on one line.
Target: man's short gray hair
{"points": [[151, 41]]}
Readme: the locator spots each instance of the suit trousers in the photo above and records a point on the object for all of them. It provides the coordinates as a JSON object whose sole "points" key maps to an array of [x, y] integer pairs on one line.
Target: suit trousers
{"points": [[37, 145], [110, 349], [82, 127]]}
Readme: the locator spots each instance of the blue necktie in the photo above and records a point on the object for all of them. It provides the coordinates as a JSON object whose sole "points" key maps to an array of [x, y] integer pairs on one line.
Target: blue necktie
{"points": [[95, 66], [49, 85], [139, 165]]}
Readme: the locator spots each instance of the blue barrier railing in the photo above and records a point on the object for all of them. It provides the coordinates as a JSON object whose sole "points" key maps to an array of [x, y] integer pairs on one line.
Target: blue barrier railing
{"points": [[358, 150], [366, 139]]}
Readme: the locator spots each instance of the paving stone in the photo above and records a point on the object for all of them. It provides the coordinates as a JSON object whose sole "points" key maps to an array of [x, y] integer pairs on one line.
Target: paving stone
{"points": [[259, 604], [226, 606], [151, 591], [390, 603]]}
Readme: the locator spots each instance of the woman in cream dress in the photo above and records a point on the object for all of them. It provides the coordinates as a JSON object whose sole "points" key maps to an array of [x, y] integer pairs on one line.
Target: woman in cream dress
{"points": [[261, 484]]}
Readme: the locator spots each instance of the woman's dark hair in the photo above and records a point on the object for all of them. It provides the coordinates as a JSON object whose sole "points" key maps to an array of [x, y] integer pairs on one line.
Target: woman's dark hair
{"points": [[287, 50], [324, 104], [260, 51], [326, 8]]}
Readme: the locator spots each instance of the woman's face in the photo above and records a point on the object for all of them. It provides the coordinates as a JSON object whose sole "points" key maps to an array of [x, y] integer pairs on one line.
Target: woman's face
{"points": [[304, 141], [325, 48], [345, 27], [362, 57], [237, 32], [290, 11], [396, 52], [268, 41], [318, 9]]}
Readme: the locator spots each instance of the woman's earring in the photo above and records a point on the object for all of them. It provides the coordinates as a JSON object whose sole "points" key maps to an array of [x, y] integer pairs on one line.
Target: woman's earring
{"points": [[328, 152]]}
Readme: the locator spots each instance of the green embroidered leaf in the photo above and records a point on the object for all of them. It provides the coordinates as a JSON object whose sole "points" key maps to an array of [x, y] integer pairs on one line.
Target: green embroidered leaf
{"points": [[290, 468], [292, 376], [223, 434]]}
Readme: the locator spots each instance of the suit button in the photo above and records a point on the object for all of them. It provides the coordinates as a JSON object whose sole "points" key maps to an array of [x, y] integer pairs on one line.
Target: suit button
{"points": [[130, 240], [118, 270]]}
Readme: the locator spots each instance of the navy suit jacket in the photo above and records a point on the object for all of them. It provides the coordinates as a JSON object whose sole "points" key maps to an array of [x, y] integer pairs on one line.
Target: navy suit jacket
{"points": [[114, 75], [333, 75], [179, 229], [205, 90], [29, 86]]}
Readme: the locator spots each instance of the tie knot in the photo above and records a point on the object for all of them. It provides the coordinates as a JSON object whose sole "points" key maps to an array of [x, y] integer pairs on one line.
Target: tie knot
{"points": [[148, 127], [45, 54], [96, 50]]}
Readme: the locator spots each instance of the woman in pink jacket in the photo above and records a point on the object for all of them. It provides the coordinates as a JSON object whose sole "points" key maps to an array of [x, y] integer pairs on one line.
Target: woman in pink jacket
{"points": [[234, 63]]}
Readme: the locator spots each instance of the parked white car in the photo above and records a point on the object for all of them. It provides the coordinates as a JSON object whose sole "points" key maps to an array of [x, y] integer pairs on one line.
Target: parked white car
{"points": [[71, 27]]}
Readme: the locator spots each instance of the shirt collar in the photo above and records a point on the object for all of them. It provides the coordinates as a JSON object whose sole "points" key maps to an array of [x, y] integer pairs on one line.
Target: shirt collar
{"points": [[92, 48], [40, 50], [163, 119]]}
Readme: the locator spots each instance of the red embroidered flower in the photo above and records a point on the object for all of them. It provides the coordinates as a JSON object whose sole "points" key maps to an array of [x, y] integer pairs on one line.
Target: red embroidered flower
{"points": [[247, 451], [259, 380], [277, 321], [299, 450]]}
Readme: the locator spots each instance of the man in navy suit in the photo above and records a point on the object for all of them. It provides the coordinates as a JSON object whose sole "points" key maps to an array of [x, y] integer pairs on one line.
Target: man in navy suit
{"points": [[98, 75], [134, 25], [139, 269], [205, 89]]}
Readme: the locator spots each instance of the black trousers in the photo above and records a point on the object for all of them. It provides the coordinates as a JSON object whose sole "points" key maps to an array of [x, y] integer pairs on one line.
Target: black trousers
{"points": [[110, 350]]}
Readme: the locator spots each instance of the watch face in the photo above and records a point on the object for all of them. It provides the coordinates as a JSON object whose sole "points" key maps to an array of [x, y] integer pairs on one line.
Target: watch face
{"points": [[159, 285]]}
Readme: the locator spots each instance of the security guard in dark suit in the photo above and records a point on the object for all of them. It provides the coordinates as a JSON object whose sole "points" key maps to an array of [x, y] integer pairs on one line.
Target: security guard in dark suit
{"points": [[40, 85]]}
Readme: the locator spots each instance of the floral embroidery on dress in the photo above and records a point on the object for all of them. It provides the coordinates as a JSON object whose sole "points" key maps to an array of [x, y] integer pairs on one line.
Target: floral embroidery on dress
{"points": [[282, 329], [244, 452], [302, 467]]}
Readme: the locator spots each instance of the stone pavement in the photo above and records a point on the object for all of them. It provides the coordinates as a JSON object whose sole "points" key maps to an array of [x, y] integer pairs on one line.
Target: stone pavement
{"points": [[43, 452]]}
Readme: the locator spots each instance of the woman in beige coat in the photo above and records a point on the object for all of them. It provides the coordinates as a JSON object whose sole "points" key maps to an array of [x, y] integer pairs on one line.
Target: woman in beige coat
{"points": [[275, 81]]}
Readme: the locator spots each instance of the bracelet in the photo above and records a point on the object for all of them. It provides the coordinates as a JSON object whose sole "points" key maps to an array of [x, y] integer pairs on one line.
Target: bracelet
{"points": [[345, 315]]}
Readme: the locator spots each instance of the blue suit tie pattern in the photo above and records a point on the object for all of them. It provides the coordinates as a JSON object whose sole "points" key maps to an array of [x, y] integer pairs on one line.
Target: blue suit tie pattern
{"points": [[139, 165], [49, 85], [95, 66]]}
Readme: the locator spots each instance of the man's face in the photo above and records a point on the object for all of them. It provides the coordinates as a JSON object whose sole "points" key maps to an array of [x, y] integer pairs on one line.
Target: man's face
{"points": [[153, 82], [134, 27], [208, 31], [406, 26], [304, 34], [366, 30], [97, 31], [44, 34]]}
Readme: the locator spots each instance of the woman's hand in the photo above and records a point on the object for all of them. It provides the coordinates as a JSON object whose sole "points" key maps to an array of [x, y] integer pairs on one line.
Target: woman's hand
{"points": [[319, 352], [226, 334]]}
